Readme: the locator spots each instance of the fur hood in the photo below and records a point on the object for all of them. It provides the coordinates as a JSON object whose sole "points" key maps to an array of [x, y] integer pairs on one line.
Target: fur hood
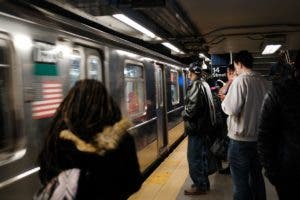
{"points": [[103, 142]]}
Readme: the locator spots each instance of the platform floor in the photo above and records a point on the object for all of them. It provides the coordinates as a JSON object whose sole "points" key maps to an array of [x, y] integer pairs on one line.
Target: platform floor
{"points": [[170, 179]]}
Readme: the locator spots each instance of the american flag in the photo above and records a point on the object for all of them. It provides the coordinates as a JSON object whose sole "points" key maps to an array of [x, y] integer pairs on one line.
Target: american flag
{"points": [[50, 98]]}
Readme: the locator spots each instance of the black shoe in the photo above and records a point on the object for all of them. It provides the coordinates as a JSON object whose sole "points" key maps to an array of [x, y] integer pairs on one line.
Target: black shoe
{"points": [[194, 191], [193, 186], [225, 171]]}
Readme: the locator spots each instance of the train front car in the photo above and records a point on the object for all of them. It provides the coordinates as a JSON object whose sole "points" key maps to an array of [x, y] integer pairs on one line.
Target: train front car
{"points": [[40, 60]]}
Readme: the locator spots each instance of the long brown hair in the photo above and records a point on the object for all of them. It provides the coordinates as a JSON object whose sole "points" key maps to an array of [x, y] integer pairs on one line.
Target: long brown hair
{"points": [[85, 111]]}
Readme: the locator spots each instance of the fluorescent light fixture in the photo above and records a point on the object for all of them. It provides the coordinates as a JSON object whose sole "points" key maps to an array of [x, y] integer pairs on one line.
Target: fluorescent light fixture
{"points": [[172, 47], [204, 66], [134, 25], [201, 55], [207, 59], [270, 49]]}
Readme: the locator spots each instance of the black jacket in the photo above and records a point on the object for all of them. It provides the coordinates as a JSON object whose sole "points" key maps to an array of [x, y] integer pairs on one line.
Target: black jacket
{"points": [[196, 111], [114, 176], [279, 132]]}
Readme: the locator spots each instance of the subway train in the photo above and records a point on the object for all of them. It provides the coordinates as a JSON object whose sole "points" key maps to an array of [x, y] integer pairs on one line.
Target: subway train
{"points": [[42, 55]]}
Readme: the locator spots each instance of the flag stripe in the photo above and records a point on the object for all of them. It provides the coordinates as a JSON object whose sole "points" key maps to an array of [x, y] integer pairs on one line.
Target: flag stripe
{"points": [[48, 106], [45, 102], [49, 91], [39, 114], [51, 85], [48, 96], [43, 116]]}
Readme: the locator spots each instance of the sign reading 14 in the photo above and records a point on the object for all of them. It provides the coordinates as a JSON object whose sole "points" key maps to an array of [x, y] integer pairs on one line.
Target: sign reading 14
{"points": [[216, 70]]}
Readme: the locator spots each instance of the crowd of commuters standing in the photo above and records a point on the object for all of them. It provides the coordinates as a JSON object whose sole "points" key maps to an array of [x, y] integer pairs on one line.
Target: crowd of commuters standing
{"points": [[262, 129], [89, 154]]}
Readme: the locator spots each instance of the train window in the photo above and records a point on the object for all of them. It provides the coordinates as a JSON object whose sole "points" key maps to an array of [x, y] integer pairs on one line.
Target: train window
{"points": [[75, 63], [3, 57], [134, 90], [94, 68], [9, 138], [133, 71], [159, 87], [174, 87]]}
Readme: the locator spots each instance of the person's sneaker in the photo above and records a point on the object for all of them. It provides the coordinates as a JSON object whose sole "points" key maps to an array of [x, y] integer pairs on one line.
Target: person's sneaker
{"points": [[225, 171], [194, 191]]}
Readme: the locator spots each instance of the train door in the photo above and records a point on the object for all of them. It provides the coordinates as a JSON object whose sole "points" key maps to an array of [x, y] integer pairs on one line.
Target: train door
{"points": [[160, 108], [12, 138], [16, 148]]}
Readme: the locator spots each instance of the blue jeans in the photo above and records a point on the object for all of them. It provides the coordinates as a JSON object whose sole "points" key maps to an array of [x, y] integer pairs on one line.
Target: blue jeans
{"points": [[248, 181], [197, 160]]}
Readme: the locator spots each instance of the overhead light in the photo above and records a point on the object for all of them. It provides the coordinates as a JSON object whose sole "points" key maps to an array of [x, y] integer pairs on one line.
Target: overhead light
{"points": [[172, 47], [207, 59], [204, 66], [134, 25], [201, 55], [270, 49]]}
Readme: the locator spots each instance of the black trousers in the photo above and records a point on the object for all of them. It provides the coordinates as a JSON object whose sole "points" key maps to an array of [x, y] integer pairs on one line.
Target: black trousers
{"points": [[288, 190]]}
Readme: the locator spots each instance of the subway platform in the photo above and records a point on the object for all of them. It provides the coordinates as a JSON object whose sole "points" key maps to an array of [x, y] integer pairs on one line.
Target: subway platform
{"points": [[169, 180]]}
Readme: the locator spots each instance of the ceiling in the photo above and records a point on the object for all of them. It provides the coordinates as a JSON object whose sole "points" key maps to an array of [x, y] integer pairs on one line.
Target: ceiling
{"points": [[233, 25], [206, 26]]}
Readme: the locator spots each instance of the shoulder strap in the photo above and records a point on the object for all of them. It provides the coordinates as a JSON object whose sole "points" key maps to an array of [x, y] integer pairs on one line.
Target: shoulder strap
{"points": [[62, 187], [67, 185]]}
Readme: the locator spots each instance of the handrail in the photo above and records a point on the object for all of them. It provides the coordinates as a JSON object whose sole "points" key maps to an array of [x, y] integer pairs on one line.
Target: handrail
{"points": [[4, 65], [19, 177], [142, 124], [175, 109]]}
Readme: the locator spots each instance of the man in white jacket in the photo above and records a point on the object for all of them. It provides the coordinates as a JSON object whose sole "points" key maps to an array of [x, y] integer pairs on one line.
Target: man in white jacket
{"points": [[242, 104]]}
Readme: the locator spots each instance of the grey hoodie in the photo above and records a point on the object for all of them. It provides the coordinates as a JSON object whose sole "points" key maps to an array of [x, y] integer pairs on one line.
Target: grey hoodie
{"points": [[242, 104]]}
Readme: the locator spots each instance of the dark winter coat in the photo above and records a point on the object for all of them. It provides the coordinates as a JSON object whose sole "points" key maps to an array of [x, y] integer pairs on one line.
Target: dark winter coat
{"points": [[279, 133], [114, 175], [196, 111]]}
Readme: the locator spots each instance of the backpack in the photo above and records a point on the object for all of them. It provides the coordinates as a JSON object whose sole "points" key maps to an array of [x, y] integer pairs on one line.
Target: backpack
{"points": [[62, 187]]}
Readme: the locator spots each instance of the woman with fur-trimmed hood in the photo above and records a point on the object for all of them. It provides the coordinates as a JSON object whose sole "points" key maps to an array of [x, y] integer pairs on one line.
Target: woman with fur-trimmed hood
{"points": [[88, 142]]}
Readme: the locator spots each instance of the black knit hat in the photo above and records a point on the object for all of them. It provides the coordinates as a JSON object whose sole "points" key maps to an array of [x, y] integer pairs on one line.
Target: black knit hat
{"points": [[195, 68]]}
